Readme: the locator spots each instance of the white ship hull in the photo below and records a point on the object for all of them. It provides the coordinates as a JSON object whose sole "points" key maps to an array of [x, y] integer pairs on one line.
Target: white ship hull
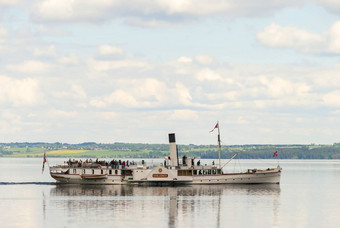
{"points": [[269, 178], [175, 171], [77, 179], [88, 175], [164, 176]]}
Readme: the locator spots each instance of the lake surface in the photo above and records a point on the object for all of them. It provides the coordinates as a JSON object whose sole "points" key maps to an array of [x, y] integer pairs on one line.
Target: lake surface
{"points": [[308, 196]]}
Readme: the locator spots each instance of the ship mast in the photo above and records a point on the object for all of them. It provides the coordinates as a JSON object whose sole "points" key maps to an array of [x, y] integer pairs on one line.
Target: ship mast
{"points": [[219, 144]]}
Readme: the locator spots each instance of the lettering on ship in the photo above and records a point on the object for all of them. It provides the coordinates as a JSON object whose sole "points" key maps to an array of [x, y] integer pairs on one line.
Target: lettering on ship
{"points": [[159, 175]]}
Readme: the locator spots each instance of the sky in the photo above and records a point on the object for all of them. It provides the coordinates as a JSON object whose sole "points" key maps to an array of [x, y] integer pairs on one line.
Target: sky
{"points": [[107, 71]]}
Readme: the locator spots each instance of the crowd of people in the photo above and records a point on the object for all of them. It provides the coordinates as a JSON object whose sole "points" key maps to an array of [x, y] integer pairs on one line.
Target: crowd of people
{"points": [[115, 164]]}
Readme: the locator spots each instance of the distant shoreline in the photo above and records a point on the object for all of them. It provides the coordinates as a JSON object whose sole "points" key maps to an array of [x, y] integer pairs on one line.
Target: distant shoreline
{"points": [[139, 150]]}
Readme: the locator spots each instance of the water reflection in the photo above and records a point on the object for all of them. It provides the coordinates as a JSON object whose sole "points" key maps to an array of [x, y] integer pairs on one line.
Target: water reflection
{"points": [[157, 206], [192, 190]]}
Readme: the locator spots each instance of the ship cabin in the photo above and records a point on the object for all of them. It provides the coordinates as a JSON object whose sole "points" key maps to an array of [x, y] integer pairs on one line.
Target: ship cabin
{"points": [[186, 166]]}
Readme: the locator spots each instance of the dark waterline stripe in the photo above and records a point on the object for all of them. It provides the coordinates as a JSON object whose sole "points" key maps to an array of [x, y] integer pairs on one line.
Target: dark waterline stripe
{"points": [[26, 183]]}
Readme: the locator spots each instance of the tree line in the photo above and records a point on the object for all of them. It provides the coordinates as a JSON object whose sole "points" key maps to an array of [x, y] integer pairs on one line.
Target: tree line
{"points": [[140, 150]]}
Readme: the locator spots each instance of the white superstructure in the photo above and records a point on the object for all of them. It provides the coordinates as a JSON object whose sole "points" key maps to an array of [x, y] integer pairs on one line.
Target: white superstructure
{"points": [[172, 172], [189, 172]]}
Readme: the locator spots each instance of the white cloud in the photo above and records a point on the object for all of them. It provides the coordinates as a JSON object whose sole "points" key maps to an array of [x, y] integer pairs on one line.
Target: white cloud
{"points": [[204, 59], [30, 67], [331, 5], [98, 103], [55, 113], [71, 59], [110, 50], [82, 85], [184, 59], [56, 9], [232, 95], [148, 23], [78, 91], [52, 31], [106, 65], [336, 112], [184, 114], [118, 97], [108, 115], [278, 36], [75, 10], [208, 75], [49, 51], [152, 13], [4, 3], [74, 92], [334, 38], [183, 93], [145, 93], [279, 87], [241, 120], [10, 122], [24, 92], [332, 99], [3, 33]]}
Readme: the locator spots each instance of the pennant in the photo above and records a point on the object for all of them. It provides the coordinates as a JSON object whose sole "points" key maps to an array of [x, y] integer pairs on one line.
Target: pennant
{"points": [[216, 126]]}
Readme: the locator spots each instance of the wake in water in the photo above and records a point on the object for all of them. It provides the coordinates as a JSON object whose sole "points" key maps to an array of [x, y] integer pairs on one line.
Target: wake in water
{"points": [[26, 183]]}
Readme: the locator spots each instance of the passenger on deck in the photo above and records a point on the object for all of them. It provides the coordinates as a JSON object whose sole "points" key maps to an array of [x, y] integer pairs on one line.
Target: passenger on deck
{"points": [[184, 159]]}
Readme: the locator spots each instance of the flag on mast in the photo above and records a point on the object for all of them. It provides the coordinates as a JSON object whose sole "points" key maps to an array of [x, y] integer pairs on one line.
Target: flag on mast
{"points": [[44, 161], [216, 126]]}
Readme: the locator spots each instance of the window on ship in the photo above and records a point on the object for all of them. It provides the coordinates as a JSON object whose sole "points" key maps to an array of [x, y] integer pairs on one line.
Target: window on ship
{"points": [[126, 172], [184, 172]]}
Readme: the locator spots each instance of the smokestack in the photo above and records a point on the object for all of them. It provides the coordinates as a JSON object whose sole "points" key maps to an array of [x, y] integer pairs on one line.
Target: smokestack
{"points": [[173, 150]]}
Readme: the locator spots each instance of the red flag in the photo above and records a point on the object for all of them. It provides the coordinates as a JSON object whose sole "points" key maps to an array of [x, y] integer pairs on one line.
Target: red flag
{"points": [[275, 154], [216, 126], [44, 161]]}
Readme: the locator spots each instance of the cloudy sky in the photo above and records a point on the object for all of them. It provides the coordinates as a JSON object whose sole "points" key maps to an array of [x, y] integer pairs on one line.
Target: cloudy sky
{"points": [[132, 71]]}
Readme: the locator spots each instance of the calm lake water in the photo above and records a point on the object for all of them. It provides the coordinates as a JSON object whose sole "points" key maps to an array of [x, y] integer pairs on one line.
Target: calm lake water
{"points": [[308, 196]]}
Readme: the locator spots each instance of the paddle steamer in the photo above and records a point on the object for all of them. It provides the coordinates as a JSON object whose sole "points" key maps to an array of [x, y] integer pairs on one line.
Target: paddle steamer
{"points": [[173, 171]]}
